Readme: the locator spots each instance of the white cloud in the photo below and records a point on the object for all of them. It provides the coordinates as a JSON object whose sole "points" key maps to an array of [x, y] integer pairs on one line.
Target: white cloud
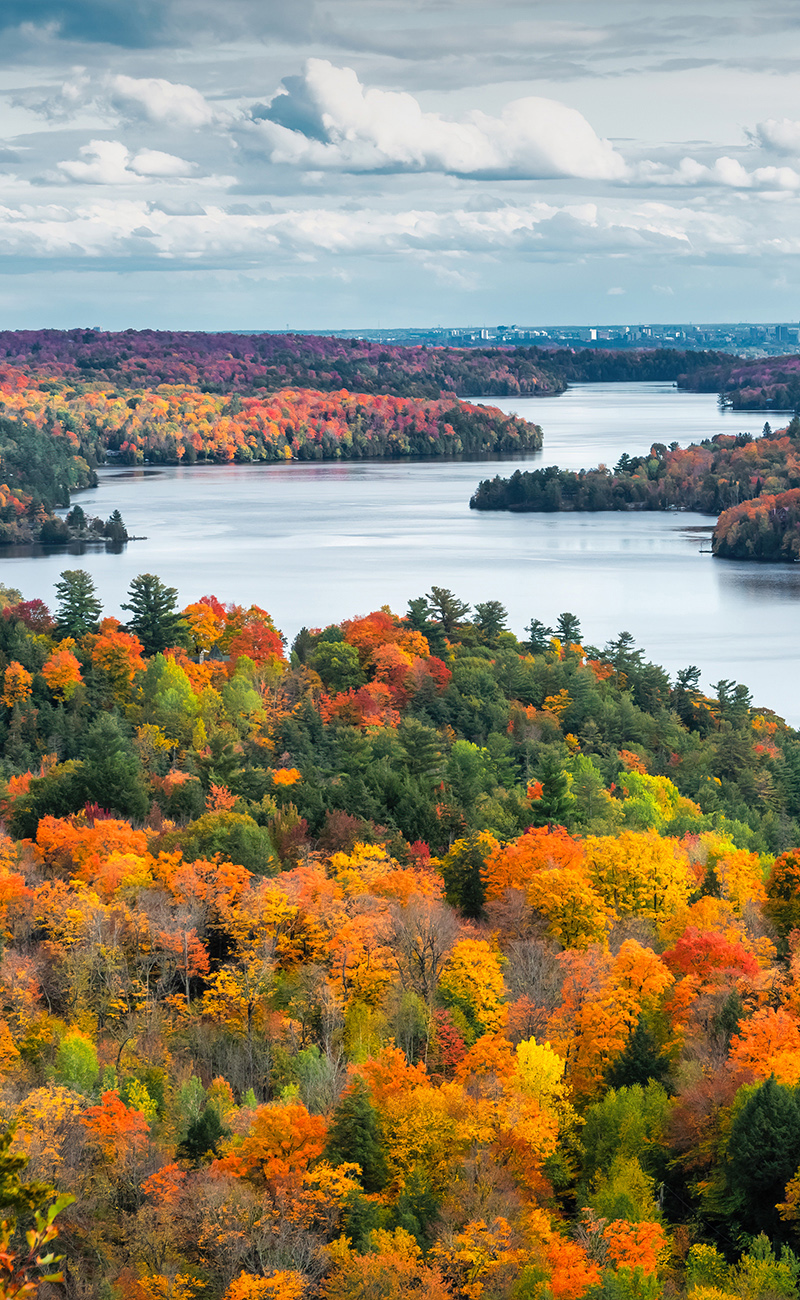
{"points": [[453, 240], [109, 162], [152, 162], [777, 178], [157, 100], [725, 172], [349, 127], [117, 96], [779, 134], [101, 162]]}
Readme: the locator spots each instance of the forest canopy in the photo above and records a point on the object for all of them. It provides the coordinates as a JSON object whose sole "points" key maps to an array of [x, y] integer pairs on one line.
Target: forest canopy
{"points": [[419, 957]]}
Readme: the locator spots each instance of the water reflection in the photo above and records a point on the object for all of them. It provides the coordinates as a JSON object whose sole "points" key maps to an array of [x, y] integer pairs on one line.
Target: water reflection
{"points": [[778, 582], [35, 550]]}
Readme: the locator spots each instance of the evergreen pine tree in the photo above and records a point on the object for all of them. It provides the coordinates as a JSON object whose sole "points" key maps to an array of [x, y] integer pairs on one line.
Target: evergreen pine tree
{"points": [[78, 610], [203, 1135], [762, 1155], [640, 1062], [155, 617], [556, 801], [354, 1135], [462, 868], [568, 629]]}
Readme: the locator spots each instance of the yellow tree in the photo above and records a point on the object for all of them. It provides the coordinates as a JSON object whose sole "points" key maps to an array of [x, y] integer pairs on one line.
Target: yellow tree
{"points": [[638, 873], [392, 1268], [576, 913], [472, 978], [17, 682]]}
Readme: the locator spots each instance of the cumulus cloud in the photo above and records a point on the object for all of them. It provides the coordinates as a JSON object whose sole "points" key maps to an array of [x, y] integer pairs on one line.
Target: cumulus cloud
{"points": [[160, 101], [780, 135], [109, 162], [130, 99], [327, 119], [725, 172], [153, 162]]}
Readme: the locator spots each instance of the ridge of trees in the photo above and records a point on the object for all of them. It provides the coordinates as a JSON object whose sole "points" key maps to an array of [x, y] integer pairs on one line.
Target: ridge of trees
{"points": [[759, 384], [249, 363]]}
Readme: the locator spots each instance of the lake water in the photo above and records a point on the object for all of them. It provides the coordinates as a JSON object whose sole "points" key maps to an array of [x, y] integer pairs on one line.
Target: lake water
{"points": [[318, 543]]}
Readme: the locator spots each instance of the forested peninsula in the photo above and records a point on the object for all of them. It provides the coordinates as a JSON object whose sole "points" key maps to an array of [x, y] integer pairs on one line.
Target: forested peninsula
{"points": [[419, 959], [748, 482], [53, 433], [764, 383]]}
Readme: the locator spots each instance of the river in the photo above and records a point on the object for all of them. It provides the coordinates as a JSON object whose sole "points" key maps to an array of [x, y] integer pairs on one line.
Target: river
{"points": [[316, 543]]}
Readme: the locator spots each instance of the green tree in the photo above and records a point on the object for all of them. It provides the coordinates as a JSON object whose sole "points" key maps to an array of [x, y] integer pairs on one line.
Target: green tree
{"points": [[420, 750], [446, 608], [155, 617], [556, 800], [626, 1284], [630, 1123], [641, 1060], [355, 1135], [568, 629], [763, 1153], [169, 699], [466, 772], [419, 618], [490, 619], [77, 518], [235, 836], [78, 610], [762, 1273], [114, 529], [112, 773], [462, 867], [76, 1063], [417, 1208], [338, 665], [539, 635], [203, 1136]]}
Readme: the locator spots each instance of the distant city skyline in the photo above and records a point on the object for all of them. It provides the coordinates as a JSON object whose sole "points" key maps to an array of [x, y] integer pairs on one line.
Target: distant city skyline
{"points": [[184, 164], [746, 338]]}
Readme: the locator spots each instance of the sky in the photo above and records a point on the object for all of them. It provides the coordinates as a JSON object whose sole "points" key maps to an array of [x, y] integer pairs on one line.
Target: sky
{"points": [[345, 164]]}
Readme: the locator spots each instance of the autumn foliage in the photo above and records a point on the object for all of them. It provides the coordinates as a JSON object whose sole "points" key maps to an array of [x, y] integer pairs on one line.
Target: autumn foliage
{"points": [[377, 967]]}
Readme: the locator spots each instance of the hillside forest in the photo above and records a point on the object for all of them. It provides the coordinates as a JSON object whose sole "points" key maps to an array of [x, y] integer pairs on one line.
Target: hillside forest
{"points": [[419, 958], [245, 363], [53, 434]]}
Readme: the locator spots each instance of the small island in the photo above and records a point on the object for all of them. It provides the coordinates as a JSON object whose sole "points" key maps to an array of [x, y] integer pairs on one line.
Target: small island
{"points": [[750, 483]]}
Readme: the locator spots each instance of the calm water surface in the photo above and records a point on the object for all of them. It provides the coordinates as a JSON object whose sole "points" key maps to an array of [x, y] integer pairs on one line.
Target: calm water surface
{"points": [[318, 543]]}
